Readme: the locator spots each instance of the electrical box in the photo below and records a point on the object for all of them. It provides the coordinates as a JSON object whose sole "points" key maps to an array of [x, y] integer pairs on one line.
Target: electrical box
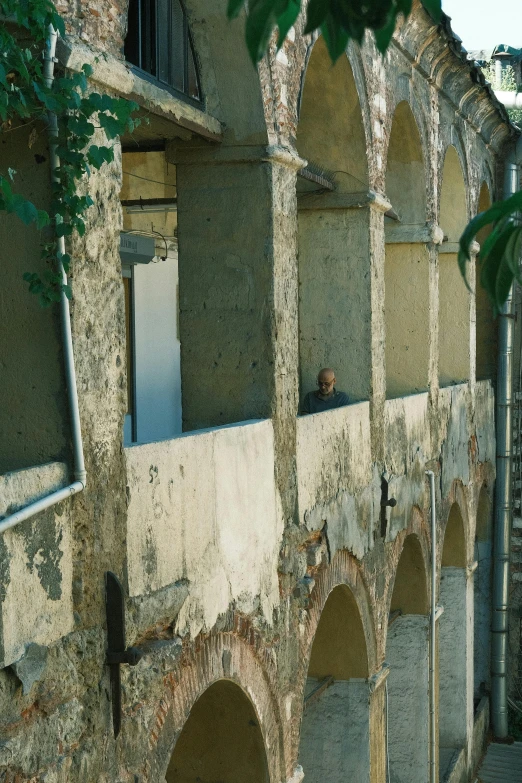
{"points": [[136, 249]]}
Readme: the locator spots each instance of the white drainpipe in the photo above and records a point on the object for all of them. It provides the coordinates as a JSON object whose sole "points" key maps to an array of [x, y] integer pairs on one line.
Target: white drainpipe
{"points": [[80, 474], [433, 631]]}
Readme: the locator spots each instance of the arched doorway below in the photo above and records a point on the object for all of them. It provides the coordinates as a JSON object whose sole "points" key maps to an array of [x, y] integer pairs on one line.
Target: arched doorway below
{"points": [[455, 644], [335, 731], [407, 653], [220, 741]]}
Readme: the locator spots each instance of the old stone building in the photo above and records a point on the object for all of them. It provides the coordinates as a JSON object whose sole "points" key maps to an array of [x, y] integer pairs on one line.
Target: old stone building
{"points": [[261, 225]]}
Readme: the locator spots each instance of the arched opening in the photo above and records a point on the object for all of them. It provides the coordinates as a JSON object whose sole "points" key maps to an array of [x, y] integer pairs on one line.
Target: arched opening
{"points": [[220, 741], [455, 637], [482, 594], [454, 297], [335, 731], [330, 134], [407, 259], [407, 652], [486, 325], [334, 251]]}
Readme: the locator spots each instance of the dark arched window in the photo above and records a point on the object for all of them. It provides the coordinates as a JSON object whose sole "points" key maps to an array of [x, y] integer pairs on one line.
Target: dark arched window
{"points": [[158, 43]]}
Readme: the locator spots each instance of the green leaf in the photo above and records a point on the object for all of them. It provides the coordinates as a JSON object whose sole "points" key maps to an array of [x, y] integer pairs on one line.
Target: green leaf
{"points": [[335, 37], [496, 212], [112, 126], [42, 218], [404, 6], [384, 35], [25, 210], [261, 20], [315, 15], [65, 261], [286, 20], [234, 7], [97, 156], [491, 264], [513, 251], [434, 7]]}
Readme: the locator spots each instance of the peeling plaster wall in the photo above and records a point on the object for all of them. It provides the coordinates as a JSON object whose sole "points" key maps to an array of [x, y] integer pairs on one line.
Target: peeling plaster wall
{"points": [[36, 564], [203, 508]]}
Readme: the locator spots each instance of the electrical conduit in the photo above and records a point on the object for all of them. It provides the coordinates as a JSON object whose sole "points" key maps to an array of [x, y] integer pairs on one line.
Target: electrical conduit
{"points": [[80, 474]]}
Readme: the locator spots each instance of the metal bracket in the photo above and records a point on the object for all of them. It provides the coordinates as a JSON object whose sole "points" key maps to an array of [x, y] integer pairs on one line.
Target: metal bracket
{"points": [[117, 653], [386, 502]]}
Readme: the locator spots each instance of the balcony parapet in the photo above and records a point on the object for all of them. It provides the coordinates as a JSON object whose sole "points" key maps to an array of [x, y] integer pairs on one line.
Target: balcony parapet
{"points": [[203, 509]]}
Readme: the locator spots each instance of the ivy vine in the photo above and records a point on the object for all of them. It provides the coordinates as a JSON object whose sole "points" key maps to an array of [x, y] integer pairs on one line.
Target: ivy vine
{"points": [[26, 99]]}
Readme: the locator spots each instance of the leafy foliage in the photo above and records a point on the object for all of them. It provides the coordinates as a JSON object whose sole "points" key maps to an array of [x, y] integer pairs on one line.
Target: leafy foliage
{"points": [[499, 256], [338, 21], [25, 97], [508, 83]]}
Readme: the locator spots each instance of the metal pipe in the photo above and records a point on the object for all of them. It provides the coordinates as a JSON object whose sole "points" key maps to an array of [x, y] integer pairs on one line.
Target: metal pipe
{"points": [[80, 474], [502, 527], [433, 631]]}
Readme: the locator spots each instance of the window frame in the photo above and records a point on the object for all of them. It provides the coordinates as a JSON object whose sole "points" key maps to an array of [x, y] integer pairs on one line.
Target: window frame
{"points": [[189, 49]]}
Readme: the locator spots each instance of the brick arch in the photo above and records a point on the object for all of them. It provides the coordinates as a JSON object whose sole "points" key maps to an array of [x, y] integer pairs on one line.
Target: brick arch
{"points": [[219, 656], [417, 527], [405, 117], [343, 570], [304, 48], [404, 90], [458, 496], [453, 138]]}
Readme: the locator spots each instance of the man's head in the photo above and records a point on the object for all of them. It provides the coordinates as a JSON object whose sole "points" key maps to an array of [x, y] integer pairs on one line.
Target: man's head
{"points": [[326, 381]]}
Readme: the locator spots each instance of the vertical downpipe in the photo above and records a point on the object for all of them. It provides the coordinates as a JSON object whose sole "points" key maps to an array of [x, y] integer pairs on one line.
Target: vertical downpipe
{"points": [[433, 631], [68, 353], [502, 528]]}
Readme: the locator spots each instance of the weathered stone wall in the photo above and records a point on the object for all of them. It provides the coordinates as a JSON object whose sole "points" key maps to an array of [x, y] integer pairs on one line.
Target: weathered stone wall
{"points": [[229, 541]]}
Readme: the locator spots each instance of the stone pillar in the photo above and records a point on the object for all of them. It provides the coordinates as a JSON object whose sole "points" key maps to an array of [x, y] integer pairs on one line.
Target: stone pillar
{"points": [[238, 290], [335, 733], [455, 663], [407, 653], [341, 291]]}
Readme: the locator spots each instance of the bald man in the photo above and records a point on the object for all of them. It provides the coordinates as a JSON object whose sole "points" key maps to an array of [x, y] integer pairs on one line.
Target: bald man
{"points": [[326, 397]]}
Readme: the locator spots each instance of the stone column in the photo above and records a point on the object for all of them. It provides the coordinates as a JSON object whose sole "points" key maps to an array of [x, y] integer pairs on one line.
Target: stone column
{"points": [[238, 289], [407, 653]]}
